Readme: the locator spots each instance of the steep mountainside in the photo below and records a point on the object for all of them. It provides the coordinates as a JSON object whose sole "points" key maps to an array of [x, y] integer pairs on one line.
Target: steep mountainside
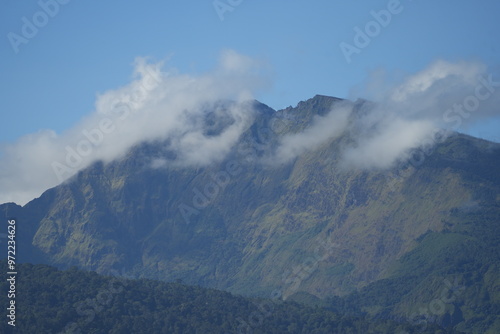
{"points": [[386, 240]]}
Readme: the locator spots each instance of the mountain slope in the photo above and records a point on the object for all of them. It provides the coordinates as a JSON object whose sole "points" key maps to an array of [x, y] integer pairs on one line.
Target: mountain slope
{"points": [[306, 228]]}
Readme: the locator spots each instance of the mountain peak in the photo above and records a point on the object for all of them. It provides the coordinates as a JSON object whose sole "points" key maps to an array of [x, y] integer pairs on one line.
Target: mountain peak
{"points": [[318, 102]]}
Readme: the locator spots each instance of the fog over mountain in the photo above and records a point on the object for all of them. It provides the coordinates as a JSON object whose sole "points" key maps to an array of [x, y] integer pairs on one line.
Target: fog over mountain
{"points": [[290, 205], [160, 104]]}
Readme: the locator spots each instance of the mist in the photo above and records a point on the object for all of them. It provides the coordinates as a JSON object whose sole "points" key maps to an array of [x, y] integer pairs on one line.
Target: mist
{"points": [[402, 115], [165, 105], [157, 104], [408, 113]]}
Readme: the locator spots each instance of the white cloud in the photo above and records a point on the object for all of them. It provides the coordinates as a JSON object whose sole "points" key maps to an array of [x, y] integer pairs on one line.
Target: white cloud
{"points": [[445, 95], [322, 129], [175, 107], [404, 115], [155, 105], [427, 81], [390, 143]]}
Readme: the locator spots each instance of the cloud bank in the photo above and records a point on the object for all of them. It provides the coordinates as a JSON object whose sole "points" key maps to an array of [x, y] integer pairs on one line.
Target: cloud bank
{"points": [[155, 105], [403, 115], [189, 113], [406, 115]]}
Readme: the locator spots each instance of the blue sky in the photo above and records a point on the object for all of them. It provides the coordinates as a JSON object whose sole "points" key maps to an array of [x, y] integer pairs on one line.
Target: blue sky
{"points": [[86, 48], [89, 47]]}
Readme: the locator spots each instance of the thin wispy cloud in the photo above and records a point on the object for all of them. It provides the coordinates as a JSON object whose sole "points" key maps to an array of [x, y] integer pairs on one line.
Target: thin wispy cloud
{"points": [[322, 128]]}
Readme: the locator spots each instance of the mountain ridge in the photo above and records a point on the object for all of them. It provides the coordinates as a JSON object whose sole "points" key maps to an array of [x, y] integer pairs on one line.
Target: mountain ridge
{"points": [[306, 227]]}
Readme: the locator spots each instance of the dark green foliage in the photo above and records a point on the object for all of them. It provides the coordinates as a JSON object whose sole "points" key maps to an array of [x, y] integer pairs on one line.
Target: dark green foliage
{"points": [[74, 301]]}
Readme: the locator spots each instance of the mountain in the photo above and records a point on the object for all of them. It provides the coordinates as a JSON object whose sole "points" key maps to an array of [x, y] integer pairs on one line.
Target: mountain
{"points": [[419, 241]]}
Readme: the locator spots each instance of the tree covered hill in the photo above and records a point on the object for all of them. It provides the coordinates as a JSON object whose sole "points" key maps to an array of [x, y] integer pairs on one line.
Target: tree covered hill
{"points": [[74, 301]]}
